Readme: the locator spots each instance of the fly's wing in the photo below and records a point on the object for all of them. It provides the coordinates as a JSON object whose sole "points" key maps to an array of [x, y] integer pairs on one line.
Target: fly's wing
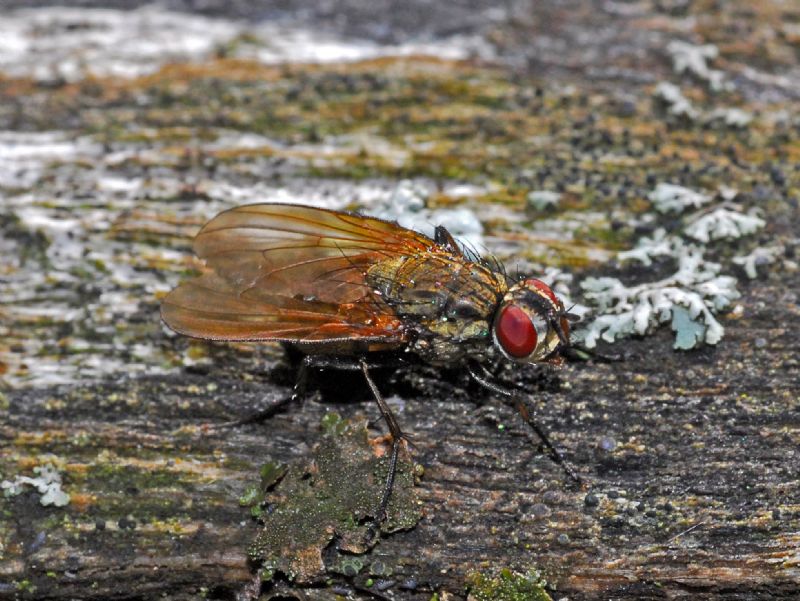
{"points": [[294, 250], [290, 273], [209, 307]]}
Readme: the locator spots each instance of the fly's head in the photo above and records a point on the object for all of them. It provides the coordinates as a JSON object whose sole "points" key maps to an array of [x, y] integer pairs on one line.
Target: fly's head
{"points": [[530, 324]]}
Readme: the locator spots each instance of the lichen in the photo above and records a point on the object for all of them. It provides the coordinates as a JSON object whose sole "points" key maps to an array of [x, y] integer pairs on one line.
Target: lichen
{"points": [[723, 223], [647, 248], [758, 256], [677, 104], [408, 206], [542, 200], [670, 198], [693, 59], [688, 299], [47, 482], [730, 116], [691, 297]]}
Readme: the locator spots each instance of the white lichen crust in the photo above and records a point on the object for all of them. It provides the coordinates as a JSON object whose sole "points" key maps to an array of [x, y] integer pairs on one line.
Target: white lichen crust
{"points": [[669, 198], [47, 482], [758, 256], [693, 59], [723, 223], [687, 299]]}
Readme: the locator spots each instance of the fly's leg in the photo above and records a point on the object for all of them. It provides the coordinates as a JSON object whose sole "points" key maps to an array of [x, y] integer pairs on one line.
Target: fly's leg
{"points": [[484, 379], [330, 362], [397, 439], [298, 392], [554, 453], [576, 352], [391, 421], [300, 387]]}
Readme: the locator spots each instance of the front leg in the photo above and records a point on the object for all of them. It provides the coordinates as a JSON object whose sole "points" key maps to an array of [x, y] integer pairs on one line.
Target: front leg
{"points": [[481, 375]]}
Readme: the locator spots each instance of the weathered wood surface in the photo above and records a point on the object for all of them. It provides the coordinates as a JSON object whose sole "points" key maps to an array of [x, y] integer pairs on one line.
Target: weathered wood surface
{"points": [[690, 459], [704, 462]]}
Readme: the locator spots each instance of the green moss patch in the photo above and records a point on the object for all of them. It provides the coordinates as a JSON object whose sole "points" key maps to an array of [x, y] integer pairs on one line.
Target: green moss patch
{"points": [[507, 585], [323, 511]]}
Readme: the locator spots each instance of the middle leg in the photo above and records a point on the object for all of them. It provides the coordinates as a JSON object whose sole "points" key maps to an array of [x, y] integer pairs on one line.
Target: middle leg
{"points": [[398, 438]]}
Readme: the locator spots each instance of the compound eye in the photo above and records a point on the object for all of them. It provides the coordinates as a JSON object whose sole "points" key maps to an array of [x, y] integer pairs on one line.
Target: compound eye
{"points": [[515, 332]]}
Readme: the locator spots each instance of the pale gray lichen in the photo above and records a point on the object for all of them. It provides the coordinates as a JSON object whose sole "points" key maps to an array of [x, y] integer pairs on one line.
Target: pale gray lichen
{"points": [[694, 59], [687, 299], [688, 332], [670, 198], [646, 249], [542, 200], [407, 205], [723, 223], [727, 193], [678, 104], [759, 256], [47, 482], [731, 116]]}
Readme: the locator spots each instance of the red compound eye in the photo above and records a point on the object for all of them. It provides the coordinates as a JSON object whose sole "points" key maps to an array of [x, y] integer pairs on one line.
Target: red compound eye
{"points": [[515, 332]]}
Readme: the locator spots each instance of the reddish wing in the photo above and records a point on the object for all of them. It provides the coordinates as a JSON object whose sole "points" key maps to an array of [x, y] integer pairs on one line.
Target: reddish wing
{"points": [[290, 273]]}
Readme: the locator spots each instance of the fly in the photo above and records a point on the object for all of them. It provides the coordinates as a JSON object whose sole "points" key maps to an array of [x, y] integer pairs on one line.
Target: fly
{"points": [[346, 289]]}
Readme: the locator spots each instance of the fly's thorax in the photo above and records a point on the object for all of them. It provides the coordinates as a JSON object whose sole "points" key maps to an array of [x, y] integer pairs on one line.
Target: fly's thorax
{"points": [[448, 342], [530, 323], [447, 303], [438, 350]]}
